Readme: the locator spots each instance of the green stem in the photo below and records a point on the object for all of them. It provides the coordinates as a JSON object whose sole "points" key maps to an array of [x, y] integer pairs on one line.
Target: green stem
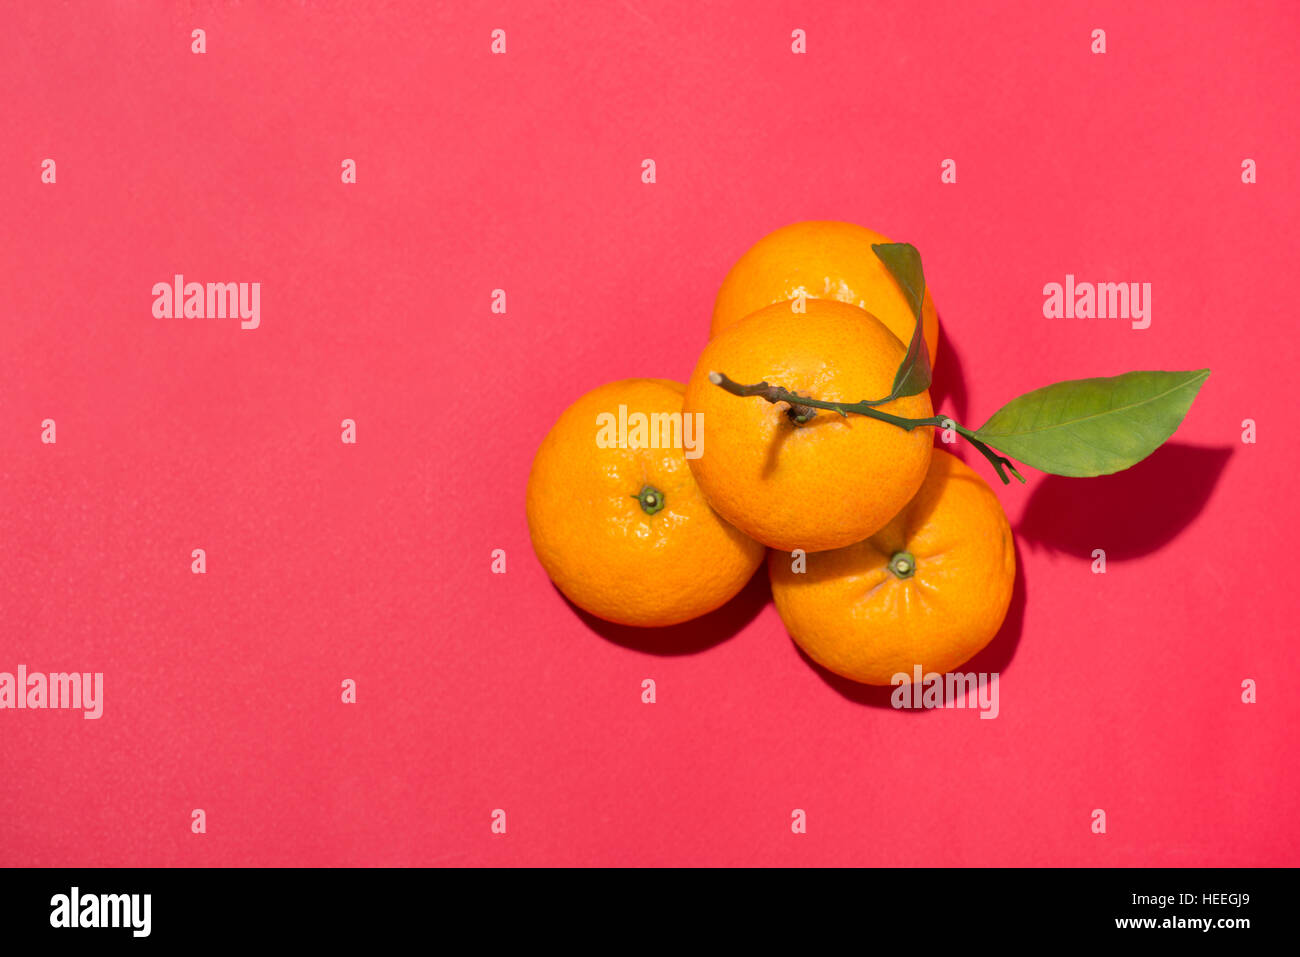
{"points": [[903, 564], [801, 410], [651, 499]]}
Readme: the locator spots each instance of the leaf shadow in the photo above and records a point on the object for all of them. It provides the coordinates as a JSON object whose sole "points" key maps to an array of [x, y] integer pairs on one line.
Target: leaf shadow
{"points": [[690, 637], [1128, 514], [992, 659], [948, 385]]}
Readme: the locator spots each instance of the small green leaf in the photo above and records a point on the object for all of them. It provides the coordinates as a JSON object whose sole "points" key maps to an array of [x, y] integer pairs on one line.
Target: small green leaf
{"points": [[904, 264], [1087, 427]]}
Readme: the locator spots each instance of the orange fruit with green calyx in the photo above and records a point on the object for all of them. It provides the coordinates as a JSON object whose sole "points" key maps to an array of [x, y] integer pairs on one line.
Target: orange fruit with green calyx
{"points": [[617, 519], [930, 589], [804, 478], [821, 259]]}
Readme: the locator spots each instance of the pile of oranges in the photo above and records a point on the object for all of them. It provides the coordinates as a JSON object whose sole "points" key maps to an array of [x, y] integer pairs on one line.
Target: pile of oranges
{"points": [[884, 553]]}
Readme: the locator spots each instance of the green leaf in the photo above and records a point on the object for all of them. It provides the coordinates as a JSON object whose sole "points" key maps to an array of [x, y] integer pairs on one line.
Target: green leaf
{"points": [[1087, 427], [904, 264]]}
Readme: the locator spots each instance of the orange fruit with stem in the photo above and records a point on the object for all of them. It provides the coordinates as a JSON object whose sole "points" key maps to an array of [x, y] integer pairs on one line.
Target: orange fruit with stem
{"points": [[821, 259], [798, 477], [616, 517], [930, 589]]}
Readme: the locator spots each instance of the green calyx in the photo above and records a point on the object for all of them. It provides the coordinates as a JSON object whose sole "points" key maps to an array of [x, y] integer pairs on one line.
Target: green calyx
{"points": [[903, 565], [651, 499]]}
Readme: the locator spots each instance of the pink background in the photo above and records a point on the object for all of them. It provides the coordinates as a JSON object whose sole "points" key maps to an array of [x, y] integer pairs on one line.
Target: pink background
{"points": [[481, 691]]}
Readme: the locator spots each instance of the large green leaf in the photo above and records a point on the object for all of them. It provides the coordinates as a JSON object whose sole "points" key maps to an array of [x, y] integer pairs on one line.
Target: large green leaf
{"points": [[1087, 427], [904, 264]]}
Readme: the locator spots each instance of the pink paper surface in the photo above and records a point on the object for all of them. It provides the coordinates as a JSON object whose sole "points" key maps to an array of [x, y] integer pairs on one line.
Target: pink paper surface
{"points": [[479, 691]]}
